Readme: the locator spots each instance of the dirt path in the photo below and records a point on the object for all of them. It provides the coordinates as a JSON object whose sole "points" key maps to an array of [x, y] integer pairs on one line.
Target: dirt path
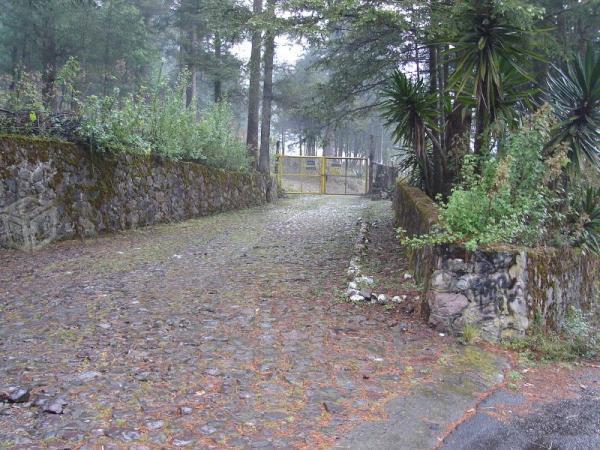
{"points": [[227, 331]]}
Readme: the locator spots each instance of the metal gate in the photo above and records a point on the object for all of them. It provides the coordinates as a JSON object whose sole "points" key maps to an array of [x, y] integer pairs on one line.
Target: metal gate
{"points": [[323, 174]]}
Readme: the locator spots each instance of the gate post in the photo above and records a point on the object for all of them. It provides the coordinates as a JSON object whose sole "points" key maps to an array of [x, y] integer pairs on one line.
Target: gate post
{"points": [[371, 162], [323, 174], [277, 168]]}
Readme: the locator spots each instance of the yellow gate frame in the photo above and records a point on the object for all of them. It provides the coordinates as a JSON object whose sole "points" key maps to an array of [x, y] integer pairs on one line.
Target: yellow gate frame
{"points": [[279, 172]]}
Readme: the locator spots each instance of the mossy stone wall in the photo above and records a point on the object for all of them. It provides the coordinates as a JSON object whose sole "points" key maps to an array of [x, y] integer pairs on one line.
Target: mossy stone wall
{"points": [[499, 289], [52, 190], [416, 213]]}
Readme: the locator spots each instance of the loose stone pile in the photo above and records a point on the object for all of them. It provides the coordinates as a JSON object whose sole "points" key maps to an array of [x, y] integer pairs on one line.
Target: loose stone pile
{"points": [[360, 286]]}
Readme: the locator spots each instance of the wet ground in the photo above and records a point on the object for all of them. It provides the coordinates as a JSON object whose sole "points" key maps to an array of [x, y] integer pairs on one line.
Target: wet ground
{"points": [[230, 332]]}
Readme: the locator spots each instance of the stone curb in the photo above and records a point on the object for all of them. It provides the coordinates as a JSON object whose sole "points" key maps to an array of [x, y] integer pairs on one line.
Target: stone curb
{"points": [[360, 286]]}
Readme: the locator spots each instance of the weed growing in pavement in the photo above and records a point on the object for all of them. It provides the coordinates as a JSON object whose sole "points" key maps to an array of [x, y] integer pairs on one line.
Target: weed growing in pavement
{"points": [[469, 333], [514, 378]]}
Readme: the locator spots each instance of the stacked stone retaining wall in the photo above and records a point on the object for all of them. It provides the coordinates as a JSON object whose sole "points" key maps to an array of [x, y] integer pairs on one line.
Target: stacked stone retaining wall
{"points": [[51, 190], [498, 289]]}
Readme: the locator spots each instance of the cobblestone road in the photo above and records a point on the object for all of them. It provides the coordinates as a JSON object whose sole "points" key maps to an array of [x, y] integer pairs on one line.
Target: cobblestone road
{"points": [[224, 332]]}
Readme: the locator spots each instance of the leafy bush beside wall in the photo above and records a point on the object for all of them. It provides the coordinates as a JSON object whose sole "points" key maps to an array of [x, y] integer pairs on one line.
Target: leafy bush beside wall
{"points": [[153, 121], [508, 202], [158, 122], [521, 197]]}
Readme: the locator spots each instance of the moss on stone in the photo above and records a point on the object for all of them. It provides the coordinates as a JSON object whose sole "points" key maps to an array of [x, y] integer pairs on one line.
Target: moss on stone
{"points": [[82, 178], [415, 211], [565, 272], [555, 279]]}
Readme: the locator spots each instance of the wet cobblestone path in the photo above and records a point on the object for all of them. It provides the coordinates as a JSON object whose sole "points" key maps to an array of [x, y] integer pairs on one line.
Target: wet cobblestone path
{"points": [[221, 332]]}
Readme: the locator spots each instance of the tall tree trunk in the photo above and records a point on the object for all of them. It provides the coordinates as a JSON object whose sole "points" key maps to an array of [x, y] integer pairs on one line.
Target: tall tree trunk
{"points": [[254, 90], [107, 48], [15, 68], [417, 58], [218, 43], [49, 60], [49, 82], [265, 130], [192, 90], [328, 149], [336, 143], [433, 81], [457, 140], [438, 175], [442, 76], [480, 137]]}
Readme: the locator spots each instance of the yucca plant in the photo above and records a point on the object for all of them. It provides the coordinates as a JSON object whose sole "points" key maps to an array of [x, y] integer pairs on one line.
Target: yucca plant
{"points": [[411, 110], [574, 94], [489, 52], [409, 167], [589, 213]]}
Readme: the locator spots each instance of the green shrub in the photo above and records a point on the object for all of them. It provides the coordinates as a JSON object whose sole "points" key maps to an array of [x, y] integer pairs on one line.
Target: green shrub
{"points": [[508, 203], [159, 122], [220, 146], [588, 213], [114, 125], [152, 121]]}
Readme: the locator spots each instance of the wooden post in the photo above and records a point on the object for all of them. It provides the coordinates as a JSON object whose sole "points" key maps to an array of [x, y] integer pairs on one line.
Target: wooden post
{"points": [[371, 161]]}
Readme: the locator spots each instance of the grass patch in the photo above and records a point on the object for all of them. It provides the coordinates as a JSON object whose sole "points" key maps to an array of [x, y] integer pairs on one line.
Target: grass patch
{"points": [[514, 378], [469, 333], [578, 340]]}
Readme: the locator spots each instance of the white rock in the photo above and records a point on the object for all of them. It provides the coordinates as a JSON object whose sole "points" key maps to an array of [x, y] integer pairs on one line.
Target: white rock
{"points": [[357, 298], [351, 292], [364, 280], [396, 299], [382, 298], [352, 285], [407, 276]]}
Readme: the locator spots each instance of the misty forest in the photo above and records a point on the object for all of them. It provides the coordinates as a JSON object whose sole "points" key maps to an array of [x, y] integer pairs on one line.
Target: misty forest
{"points": [[489, 98], [299, 223]]}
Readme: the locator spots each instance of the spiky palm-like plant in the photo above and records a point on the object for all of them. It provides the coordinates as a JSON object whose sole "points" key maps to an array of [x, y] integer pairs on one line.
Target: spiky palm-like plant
{"points": [[574, 94], [488, 48], [589, 211], [412, 112]]}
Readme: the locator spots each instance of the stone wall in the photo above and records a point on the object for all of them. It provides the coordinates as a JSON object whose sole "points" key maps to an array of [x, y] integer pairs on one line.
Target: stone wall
{"points": [[498, 289], [384, 180], [416, 213], [51, 190]]}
